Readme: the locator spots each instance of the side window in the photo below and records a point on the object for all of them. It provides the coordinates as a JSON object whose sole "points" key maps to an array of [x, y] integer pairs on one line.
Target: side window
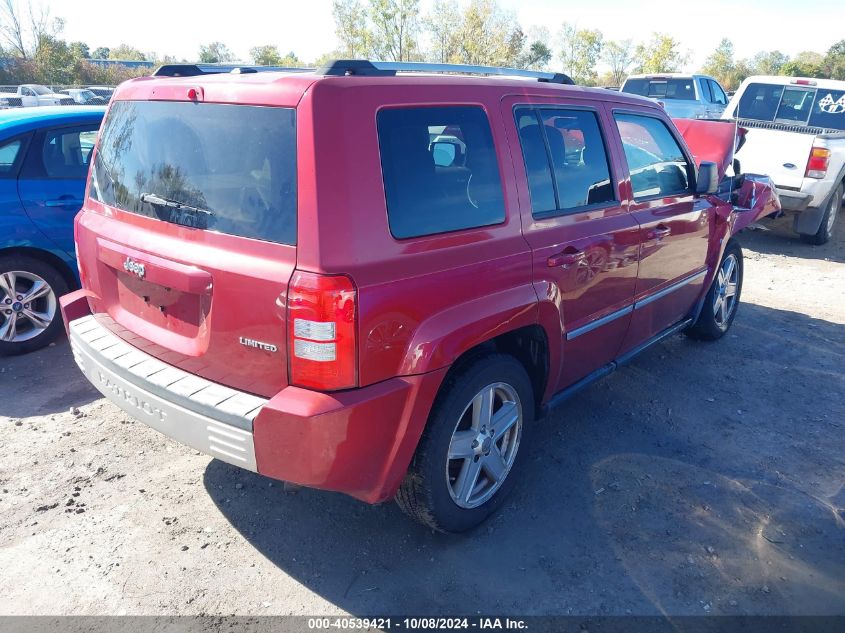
{"points": [[656, 162], [9, 153], [66, 152], [705, 90], [719, 95], [569, 141], [440, 169], [536, 159]]}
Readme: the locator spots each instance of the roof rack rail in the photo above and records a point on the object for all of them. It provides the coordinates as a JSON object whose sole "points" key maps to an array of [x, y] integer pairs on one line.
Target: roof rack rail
{"points": [[366, 68], [194, 70]]}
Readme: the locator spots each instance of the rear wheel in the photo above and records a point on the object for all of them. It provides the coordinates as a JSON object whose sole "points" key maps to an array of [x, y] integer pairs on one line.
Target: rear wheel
{"points": [[825, 231], [29, 304], [722, 300], [465, 464]]}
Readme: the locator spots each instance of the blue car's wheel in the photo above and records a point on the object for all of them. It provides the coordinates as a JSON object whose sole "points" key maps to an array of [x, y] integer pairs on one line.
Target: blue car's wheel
{"points": [[29, 304]]}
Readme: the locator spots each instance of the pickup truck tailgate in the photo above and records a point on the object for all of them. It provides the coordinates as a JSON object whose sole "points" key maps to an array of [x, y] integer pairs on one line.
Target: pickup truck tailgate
{"points": [[780, 154]]}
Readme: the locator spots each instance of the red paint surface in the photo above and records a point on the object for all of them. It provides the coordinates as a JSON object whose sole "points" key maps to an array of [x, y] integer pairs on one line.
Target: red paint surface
{"points": [[421, 302]]}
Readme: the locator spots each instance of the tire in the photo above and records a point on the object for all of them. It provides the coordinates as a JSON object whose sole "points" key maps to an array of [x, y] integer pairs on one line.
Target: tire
{"points": [[19, 333], [431, 492], [713, 323], [825, 231]]}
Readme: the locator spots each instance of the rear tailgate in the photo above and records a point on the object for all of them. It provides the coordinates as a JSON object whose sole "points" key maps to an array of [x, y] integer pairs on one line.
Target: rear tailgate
{"points": [[200, 303], [187, 240], [780, 153]]}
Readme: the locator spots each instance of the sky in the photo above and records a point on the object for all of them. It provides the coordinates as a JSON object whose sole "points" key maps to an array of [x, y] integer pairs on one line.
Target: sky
{"points": [[178, 27]]}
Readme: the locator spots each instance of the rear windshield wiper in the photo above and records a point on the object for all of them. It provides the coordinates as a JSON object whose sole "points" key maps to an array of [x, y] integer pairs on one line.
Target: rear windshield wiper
{"points": [[158, 201]]}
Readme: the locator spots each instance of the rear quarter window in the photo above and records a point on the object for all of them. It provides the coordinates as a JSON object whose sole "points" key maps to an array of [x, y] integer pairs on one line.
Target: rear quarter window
{"points": [[440, 170], [829, 110]]}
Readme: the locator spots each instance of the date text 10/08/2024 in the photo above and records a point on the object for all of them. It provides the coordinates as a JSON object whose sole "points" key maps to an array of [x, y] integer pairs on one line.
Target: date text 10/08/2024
{"points": [[386, 624]]}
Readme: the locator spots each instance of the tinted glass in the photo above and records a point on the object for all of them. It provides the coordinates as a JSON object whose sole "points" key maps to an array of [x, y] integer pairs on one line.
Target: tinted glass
{"points": [[656, 162], [759, 102], [536, 158], [829, 110], [66, 153], [670, 88], [705, 88], [719, 95], [795, 105], [578, 157], [427, 189], [225, 168], [8, 153]]}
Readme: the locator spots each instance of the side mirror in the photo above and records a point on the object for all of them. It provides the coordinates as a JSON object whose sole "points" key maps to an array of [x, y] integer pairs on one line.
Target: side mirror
{"points": [[707, 181]]}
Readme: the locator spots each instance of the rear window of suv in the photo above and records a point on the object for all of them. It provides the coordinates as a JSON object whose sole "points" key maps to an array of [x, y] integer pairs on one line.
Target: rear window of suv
{"points": [[796, 105], [669, 88], [440, 170], [224, 168]]}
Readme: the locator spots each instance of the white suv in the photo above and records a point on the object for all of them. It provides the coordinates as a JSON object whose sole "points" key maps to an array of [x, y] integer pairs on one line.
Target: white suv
{"points": [[796, 135]]}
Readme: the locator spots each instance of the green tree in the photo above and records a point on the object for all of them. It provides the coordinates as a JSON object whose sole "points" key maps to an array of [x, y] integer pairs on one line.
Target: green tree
{"points": [[537, 56], [767, 63], [291, 60], [720, 64], [580, 51], [396, 25], [804, 64], [101, 52], [54, 61], [80, 50], [126, 52], [215, 53], [488, 36], [266, 55], [351, 28], [619, 56], [834, 61], [440, 24], [660, 55]]}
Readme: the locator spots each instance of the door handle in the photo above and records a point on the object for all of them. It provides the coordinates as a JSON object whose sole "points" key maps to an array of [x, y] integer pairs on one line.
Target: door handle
{"points": [[659, 232], [565, 259], [63, 202]]}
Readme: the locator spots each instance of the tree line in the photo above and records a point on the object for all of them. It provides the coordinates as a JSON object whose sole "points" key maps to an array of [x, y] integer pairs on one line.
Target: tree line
{"points": [[475, 32]]}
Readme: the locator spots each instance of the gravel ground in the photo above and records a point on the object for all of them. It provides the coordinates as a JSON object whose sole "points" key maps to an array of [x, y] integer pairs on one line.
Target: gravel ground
{"points": [[701, 478]]}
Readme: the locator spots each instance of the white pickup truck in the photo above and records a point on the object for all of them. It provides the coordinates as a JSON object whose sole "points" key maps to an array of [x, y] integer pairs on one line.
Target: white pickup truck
{"points": [[796, 135]]}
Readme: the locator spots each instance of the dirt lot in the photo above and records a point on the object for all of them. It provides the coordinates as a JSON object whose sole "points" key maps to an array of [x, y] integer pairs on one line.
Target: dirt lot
{"points": [[702, 478]]}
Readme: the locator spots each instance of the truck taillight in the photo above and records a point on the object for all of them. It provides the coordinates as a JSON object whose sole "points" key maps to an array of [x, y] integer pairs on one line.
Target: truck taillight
{"points": [[322, 323], [818, 162]]}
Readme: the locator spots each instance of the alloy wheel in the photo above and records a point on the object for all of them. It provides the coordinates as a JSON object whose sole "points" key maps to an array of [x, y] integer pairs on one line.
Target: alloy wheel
{"points": [[27, 306], [484, 445], [724, 303]]}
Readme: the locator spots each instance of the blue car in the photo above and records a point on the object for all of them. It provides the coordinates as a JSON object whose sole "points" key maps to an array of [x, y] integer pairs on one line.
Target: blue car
{"points": [[44, 156]]}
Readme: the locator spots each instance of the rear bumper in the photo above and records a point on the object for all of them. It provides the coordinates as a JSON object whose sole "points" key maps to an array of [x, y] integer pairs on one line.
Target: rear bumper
{"points": [[359, 442], [791, 200]]}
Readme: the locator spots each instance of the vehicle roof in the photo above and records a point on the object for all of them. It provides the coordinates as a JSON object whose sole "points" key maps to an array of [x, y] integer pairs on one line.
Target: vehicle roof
{"points": [[832, 84], [280, 88], [17, 120], [667, 75]]}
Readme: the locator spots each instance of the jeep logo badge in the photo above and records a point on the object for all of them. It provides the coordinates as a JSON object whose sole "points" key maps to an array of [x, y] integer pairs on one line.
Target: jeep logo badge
{"points": [[131, 266]]}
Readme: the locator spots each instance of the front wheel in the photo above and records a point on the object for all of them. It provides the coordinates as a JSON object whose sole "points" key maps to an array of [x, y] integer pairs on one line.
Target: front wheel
{"points": [[722, 300], [465, 463]]}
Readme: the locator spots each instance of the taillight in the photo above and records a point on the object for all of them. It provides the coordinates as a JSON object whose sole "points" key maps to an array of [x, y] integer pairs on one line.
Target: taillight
{"points": [[322, 323], [818, 162]]}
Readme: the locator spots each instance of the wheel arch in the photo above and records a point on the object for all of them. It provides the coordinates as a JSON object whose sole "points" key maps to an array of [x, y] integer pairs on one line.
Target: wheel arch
{"points": [[529, 345], [48, 257]]}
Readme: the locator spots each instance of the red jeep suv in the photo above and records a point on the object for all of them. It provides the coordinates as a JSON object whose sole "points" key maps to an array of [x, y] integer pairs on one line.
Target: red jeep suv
{"points": [[374, 278]]}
